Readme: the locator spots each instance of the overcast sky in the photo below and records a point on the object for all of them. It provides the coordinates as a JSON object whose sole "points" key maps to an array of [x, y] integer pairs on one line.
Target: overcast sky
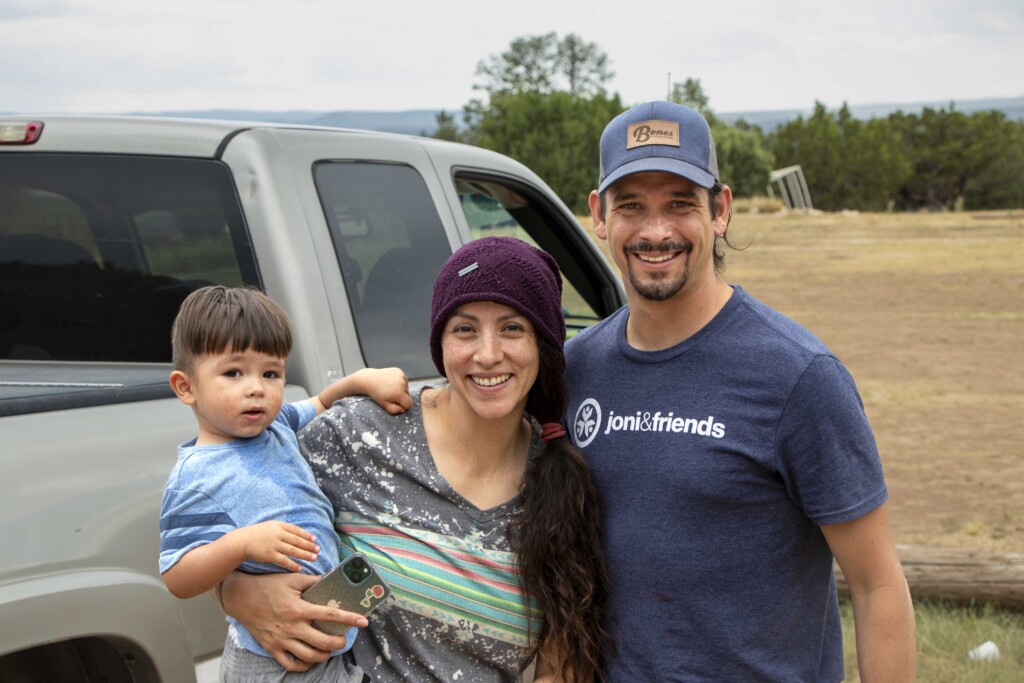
{"points": [[331, 55]]}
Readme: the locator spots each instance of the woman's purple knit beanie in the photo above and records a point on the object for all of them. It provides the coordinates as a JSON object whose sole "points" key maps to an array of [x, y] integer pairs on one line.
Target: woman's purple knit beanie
{"points": [[507, 271]]}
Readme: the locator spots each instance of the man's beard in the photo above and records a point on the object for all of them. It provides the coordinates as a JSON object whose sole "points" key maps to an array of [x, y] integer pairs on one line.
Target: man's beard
{"points": [[661, 288]]}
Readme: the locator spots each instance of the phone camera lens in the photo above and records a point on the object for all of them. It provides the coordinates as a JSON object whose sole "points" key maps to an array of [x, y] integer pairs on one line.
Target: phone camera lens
{"points": [[357, 570]]}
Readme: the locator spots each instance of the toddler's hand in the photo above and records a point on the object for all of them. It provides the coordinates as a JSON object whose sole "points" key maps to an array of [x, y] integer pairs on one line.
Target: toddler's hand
{"points": [[389, 388], [277, 543]]}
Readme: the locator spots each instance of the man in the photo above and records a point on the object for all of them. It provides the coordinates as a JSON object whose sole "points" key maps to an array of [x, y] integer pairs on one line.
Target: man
{"points": [[730, 446]]}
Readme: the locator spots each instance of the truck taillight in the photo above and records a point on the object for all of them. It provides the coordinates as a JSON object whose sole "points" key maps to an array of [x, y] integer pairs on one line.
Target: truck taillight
{"points": [[20, 132]]}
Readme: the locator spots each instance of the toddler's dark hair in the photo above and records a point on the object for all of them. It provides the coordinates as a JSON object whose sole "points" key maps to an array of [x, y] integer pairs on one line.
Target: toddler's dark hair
{"points": [[216, 319]]}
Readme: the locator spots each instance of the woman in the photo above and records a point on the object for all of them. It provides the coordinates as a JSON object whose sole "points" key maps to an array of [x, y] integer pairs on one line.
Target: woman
{"points": [[474, 504]]}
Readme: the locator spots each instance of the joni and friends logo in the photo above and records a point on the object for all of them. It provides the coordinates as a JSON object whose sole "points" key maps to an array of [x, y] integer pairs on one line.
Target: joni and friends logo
{"points": [[587, 423], [652, 133]]}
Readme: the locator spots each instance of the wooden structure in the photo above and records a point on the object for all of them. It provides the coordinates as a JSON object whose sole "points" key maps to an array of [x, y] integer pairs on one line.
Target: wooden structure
{"points": [[792, 187], [961, 576]]}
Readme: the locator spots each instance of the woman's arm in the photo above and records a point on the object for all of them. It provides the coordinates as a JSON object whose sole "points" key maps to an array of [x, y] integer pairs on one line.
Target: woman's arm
{"points": [[271, 608]]}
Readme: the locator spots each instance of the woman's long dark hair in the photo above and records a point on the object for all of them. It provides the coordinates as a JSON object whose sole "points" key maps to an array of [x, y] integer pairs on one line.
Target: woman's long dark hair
{"points": [[557, 537]]}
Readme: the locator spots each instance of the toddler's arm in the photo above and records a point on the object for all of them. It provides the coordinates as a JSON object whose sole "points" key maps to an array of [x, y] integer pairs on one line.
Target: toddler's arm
{"points": [[202, 568], [389, 387]]}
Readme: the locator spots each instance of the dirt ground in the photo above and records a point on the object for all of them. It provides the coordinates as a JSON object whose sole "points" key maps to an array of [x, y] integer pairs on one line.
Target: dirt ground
{"points": [[927, 312]]}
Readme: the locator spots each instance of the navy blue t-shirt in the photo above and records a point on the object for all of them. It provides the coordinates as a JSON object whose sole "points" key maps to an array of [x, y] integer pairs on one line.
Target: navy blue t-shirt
{"points": [[717, 460]]}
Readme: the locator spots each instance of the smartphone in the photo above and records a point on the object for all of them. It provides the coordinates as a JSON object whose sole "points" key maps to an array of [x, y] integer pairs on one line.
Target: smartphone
{"points": [[354, 586]]}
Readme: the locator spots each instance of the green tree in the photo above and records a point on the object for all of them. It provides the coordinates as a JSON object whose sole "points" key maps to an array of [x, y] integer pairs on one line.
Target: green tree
{"points": [[691, 94], [544, 64], [546, 107], [744, 160], [554, 134], [527, 66], [876, 166], [584, 66], [936, 141], [977, 159], [814, 145], [940, 159], [999, 183], [848, 163], [446, 129]]}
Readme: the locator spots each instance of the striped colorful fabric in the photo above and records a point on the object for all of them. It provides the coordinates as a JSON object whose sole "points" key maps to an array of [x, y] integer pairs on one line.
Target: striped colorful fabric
{"points": [[445, 578]]}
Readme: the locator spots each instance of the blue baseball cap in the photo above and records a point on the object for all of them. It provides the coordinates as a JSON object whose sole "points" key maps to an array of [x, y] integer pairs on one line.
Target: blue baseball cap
{"points": [[658, 136]]}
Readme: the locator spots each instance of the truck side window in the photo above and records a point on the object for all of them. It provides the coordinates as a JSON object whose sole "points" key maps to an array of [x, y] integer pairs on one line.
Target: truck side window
{"points": [[496, 206], [390, 244], [98, 251]]}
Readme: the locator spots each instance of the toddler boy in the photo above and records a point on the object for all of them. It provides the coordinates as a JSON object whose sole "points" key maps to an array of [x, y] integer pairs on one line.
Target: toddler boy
{"points": [[241, 496]]}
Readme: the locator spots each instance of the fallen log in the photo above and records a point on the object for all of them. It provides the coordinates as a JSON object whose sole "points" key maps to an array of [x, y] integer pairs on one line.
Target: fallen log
{"points": [[961, 576]]}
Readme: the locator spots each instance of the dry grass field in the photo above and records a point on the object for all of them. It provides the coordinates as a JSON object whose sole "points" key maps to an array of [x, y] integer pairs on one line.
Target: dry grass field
{"points": [[927, 312]]}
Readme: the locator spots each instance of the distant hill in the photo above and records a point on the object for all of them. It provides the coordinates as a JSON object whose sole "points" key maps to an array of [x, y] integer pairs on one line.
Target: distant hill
{"points": [[1013, 107], [418, 121]]}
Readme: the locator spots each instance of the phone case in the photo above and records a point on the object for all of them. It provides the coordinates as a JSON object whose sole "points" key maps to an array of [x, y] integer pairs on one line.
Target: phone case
{"points": [[353, 586]]}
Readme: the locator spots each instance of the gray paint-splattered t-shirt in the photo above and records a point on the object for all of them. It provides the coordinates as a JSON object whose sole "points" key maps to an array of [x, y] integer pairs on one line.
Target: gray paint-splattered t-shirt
{"points": [[457, 611]]}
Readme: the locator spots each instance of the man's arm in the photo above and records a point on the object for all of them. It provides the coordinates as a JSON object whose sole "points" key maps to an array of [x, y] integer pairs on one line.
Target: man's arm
{"points": [[389, 387], [882, 610]]}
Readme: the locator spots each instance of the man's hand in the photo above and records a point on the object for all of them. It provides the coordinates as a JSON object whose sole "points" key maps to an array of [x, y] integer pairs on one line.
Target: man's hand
{"points": [[271, 608]]}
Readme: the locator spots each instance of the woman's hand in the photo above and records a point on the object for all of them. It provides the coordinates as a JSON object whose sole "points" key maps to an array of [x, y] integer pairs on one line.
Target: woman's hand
{"points": [[270, 606]]}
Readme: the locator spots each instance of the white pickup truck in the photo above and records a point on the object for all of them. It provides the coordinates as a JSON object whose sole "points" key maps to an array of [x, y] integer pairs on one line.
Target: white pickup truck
{"points": [[106, 224]]}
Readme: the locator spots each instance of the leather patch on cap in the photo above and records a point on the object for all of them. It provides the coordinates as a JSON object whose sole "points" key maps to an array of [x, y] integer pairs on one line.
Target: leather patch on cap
{"points": [[652, 133]]}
